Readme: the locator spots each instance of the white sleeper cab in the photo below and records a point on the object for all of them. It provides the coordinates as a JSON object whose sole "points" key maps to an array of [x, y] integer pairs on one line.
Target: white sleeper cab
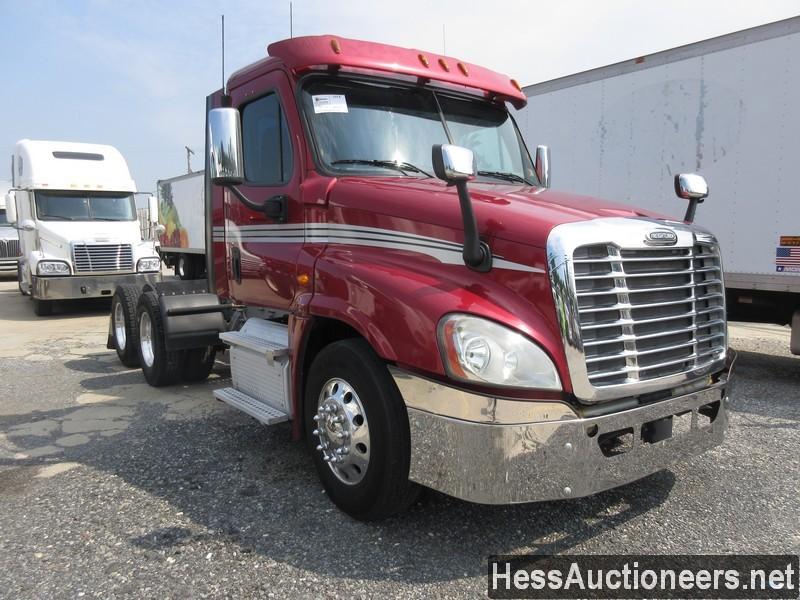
{"points": [[80, 236]]}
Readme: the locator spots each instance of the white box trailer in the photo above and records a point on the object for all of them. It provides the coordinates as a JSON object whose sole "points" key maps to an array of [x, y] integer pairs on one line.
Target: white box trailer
{"points": [[181, 210], [724, 107]]}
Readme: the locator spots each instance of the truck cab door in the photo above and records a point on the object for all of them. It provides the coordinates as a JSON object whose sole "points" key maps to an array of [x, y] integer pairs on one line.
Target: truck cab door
{"points": [[263, 248]]}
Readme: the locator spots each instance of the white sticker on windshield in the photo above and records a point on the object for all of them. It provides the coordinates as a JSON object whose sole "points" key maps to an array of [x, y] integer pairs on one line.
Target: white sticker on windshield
{"points": [[330, 103]]}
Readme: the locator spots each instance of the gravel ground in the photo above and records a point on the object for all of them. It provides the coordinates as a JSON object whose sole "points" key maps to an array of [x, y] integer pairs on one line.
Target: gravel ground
{"points": [[109, 488]]}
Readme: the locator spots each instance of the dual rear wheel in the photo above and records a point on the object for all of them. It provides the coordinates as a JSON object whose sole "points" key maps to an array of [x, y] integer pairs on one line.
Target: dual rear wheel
{"points": [[137, 331]]}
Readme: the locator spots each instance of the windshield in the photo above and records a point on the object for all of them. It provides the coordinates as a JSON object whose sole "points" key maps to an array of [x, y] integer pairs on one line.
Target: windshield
{"points": [[3, 219], [85, 206], [381, 129]]}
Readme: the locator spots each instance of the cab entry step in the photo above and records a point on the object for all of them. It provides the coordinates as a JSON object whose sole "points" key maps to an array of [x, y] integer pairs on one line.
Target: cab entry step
{"points": [[247, 404], [270, 349]]}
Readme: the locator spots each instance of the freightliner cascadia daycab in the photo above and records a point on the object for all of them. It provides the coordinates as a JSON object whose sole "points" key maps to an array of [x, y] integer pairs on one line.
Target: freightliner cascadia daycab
{"points": [[181, 202], [390, 273], [73, 205], [726, 106]]}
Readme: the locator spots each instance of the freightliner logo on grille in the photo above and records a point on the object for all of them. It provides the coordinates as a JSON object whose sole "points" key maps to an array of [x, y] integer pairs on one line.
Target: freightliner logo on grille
{"points": [[661, 237]]}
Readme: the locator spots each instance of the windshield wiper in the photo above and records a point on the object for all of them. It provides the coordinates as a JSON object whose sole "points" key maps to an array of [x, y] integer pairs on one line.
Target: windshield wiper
{"points": [[59, 217], [108, 219], [384, 164], [504, 176]]}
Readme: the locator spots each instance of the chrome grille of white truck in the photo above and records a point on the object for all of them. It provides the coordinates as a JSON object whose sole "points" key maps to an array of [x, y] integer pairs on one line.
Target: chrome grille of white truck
{"points": [[648, 313], [9, 248], [94, 258], [640, 304]]}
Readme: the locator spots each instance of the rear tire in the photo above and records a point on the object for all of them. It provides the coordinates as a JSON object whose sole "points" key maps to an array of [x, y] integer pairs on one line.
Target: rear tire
{"points": [[42, 308], [371, 481], [184, 267], [124, 327], [197, 364], [160, 366]]}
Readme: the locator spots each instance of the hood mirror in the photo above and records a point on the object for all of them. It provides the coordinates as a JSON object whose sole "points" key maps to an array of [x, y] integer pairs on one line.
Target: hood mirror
{"points": [[542, 165], [456, 166], [691, 187], [453, 163]]}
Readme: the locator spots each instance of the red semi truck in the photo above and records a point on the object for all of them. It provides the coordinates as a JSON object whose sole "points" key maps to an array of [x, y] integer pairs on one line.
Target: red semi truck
{"points": [[390, 273]]}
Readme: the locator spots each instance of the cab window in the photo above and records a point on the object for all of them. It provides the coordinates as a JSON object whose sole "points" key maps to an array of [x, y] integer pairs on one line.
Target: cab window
{"points": [[266, 142]]}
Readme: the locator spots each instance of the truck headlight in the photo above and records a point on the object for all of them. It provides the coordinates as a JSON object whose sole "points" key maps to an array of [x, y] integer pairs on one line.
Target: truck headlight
{"points": [[47, 268], [479, 350], [148, 265]]}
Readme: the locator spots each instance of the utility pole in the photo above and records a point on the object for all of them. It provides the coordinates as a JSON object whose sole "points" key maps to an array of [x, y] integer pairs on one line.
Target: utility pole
{"points": [[189, 153]]}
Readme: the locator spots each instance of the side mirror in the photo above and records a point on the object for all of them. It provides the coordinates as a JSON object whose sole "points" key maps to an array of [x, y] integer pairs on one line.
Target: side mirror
{"points": [[453, 163], [27, 225], [542, 165], [11, 207], [691, 187], [152, 206], [159, 230], [225, 158]]}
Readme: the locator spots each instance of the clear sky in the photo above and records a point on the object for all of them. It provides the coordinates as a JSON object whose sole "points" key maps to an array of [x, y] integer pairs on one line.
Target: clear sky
{"points": [[135, 73]]}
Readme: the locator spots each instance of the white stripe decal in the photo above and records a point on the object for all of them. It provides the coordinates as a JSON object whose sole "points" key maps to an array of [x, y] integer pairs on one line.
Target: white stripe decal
{"points": [[334, 233]]}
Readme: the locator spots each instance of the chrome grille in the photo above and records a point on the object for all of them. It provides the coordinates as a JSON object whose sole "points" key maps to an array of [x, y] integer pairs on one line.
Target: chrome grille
{"points": [[93, 258], [648, 313], [9, 248]]}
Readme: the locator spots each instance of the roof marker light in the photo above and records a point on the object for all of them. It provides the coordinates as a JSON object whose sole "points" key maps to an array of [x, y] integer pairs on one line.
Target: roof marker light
{"points": [[336, 47], [443, 64], [424, 60], [463, 68], [516, 85]]}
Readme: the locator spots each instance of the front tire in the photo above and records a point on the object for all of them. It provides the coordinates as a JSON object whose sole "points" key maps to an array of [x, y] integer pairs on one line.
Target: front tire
{"points": [[160, 366], [124, 327], [357, 430], [23, 288]]}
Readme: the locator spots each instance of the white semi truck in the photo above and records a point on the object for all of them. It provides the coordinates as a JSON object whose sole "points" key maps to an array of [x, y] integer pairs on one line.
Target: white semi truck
{"points": [[73, 205], [181, 203], [724, 107]]}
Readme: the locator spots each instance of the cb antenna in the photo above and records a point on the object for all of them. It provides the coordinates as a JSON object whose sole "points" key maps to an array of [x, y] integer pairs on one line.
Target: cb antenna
{"points": [[224, 91]]}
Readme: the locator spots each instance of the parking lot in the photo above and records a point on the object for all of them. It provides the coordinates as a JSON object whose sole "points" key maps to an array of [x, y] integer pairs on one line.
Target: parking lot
{"points": [[111, 488]]}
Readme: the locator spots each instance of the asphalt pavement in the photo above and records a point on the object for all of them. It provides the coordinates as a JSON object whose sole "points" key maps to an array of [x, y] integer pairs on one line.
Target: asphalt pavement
{"points": [[110, 488]]}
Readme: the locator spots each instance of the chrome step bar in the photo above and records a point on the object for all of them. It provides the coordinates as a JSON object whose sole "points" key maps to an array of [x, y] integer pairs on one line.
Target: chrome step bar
{"points": [[268, 415]]}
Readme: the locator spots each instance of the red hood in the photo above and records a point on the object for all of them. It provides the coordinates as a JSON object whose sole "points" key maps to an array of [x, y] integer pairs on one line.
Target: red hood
{"points": [[515, 213]]}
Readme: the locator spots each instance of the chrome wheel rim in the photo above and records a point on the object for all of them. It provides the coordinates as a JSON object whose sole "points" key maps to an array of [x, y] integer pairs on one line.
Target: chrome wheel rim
{"points": [[119, 326], [343, 431], [146, 339]]}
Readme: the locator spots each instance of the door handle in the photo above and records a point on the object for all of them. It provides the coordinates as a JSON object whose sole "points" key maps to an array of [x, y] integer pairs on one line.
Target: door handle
{"points": [[277, 208]]}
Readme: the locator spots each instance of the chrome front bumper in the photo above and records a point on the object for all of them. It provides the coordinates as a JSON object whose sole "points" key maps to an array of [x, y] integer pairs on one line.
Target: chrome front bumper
{"points": [[8, 265], [478, 449], [87, 286]]}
